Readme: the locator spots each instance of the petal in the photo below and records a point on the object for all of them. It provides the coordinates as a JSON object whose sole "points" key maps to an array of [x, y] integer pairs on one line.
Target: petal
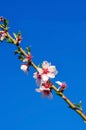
{"points": [[45, 89], [50, 96], [38, 90], [38, 82], [2, 38], [45, 64], [47, 93], [45, 78], [40, 70], [35, 75], [59, 83], [25, 60], [24, 68], [52, 69], [51, 75]]}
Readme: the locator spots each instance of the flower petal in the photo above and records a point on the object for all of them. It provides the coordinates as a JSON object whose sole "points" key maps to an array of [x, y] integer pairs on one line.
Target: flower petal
{"points": [[24, 68], [44, 78], [53, 70], [51, 75], [45, 64], [35, 75], [40, 70], [59, 83], [38, 82], [38, 90]]}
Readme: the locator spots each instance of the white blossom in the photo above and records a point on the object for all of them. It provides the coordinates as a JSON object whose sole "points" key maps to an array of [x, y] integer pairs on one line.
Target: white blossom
{"points": [[24, 67], [47, 71]]}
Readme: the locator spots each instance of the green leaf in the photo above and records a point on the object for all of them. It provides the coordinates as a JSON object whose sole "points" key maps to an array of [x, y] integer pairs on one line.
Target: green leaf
{"points": [[5, 22], [19, 33], [15, 35], [17, 52], [2, 25], [21, 57], [9, 40], [79, 105], [28, 49], [40, 65]]}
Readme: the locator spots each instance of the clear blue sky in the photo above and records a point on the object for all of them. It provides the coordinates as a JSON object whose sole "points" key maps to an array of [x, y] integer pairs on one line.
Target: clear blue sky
{"points": [[56, 31]]}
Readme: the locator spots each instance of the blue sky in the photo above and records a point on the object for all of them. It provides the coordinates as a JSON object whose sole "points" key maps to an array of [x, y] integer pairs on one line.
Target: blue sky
{"points": [[56, 31]]}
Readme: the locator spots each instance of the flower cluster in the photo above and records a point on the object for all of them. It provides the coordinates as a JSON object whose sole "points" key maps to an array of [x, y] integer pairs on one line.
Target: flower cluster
{"points": [[42, 77]]}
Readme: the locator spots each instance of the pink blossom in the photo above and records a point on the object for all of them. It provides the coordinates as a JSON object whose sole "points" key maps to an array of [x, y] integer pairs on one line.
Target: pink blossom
{"points": [[19, 39], [45, 92], [47, 84], [45, 89], [62, 85], [2, 35], [1, 19], [47, 71], [28, 58], [38, 78]]}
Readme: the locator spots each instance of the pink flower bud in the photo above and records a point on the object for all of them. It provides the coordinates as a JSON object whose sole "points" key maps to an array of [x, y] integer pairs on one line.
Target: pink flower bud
{"points": [[29, 57], [18, 39], [62, 85], [1, 19], [46, 84], [24, 67]]}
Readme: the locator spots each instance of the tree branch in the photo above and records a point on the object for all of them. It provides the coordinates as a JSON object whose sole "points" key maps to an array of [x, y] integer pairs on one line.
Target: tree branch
{"points": [[59, 93]]}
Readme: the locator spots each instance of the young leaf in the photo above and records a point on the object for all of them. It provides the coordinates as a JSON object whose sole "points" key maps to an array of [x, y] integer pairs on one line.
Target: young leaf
{"points": [[5, 22], [28, 49], [40, 65], [79, 105], [17, 52], [21, 57], [19, 33], [15, 35], [9, 40]]}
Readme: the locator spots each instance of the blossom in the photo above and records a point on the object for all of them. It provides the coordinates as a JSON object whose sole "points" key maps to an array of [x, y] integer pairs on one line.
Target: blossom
{"points": [[42, 78], [47, 85], [18, 38], [47, 71], [62, 85], [28, 58], [1, 19], [38, 78], [2, 35], [24, 67], [45, 89]]}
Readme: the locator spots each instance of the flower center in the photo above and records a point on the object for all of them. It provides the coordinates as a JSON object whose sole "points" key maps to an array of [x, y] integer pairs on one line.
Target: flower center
{"points": [[38, 76], [46, 92], [63, 86], [29, 57], [45, 71], [47, 84]]}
